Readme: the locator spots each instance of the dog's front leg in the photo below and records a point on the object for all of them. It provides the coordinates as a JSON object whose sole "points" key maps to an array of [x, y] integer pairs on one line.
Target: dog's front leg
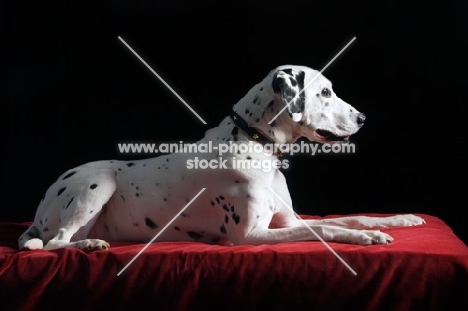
{"points": [[366, 222], [302, 232]]}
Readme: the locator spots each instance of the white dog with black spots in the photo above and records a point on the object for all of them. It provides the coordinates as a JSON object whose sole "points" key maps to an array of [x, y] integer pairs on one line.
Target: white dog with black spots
{"points": [[103, 201]]}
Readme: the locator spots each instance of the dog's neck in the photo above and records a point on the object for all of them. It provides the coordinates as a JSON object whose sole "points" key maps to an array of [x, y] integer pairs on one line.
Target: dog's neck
{"points": [[252, 132], [258, 107]]}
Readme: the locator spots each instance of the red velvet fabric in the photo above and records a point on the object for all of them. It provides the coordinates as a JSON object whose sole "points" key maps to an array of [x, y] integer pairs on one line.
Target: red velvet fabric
{"points": [[426, 268]]}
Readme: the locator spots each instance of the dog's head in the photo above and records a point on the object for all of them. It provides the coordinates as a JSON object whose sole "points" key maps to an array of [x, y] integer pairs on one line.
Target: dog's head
{"points": [[317, 113]]}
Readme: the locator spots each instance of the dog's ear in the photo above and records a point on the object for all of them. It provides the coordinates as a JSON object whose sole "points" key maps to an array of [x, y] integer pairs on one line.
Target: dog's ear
{"points": [[288, 83]]}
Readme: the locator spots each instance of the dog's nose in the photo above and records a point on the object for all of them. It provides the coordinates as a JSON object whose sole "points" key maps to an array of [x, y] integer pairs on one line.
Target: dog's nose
{"points": [[361, 118]]}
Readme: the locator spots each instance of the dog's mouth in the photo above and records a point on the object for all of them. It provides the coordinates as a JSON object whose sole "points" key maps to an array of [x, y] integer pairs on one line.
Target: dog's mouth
{"points": [[324, 135]]}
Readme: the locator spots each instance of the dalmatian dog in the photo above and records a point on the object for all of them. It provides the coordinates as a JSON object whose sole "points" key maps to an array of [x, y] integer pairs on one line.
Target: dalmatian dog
{"points": [[99, 202]]}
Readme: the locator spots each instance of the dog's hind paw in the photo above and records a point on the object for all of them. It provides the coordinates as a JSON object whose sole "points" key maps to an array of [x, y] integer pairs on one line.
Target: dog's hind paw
{"points": [[34, 244], [90, 245]]}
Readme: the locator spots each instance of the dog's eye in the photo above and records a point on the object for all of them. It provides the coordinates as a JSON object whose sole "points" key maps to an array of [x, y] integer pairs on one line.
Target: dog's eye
{"points": [[326, 92]]}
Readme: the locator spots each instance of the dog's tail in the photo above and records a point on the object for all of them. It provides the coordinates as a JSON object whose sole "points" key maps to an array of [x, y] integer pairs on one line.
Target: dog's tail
{"points": [[31, 239]]}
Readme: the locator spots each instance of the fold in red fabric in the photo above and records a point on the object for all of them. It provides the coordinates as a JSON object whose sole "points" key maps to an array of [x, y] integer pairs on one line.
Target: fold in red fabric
{"points": [[425, 268]]}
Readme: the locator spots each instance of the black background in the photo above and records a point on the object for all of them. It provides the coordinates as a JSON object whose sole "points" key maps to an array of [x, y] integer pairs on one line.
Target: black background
{"points": [[71, 91]]}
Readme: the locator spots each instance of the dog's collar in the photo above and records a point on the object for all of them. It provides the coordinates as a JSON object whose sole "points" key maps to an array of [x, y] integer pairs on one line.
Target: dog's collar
{"points": [[252, 132]]}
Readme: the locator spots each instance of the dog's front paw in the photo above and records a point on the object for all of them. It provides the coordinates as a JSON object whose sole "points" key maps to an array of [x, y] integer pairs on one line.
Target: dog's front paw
{"points": [[407, 220], [90, 245], [369, 237]]}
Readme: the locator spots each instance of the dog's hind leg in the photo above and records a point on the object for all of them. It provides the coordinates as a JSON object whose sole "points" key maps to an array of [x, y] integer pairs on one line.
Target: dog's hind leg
{"points": [[87, 197]]}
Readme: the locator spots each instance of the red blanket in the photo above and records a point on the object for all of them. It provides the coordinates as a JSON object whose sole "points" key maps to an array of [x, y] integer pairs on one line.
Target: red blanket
{"points": [[425, 268]]}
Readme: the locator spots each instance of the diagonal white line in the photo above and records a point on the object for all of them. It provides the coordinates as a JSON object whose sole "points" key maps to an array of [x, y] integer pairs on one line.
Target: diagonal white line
{"points": [[162, 80], [159, 233], [315, 233], [310, 82]]}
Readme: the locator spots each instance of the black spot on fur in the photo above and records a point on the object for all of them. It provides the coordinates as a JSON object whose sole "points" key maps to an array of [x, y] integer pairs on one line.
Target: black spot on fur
{"points": [[236, 181], [195, 235], [61, 191], [221, 197], [123, 199], [33, 232], [130, 164], [184, 215], [167, 159], [45, 229], [93, 186], [270, 104], [273, 124], [257, 119], [40, 221], [150, 223], [212, 203], [226, 219], [247, 111], [135, 224], [222, 229], [69, 175], [217, 200], [249, 158], [235, 130], [91, 211], [137, 194], [177, 228], [69, 202], [232, 208], [225, 207], [255, 99], [236, 218]]}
